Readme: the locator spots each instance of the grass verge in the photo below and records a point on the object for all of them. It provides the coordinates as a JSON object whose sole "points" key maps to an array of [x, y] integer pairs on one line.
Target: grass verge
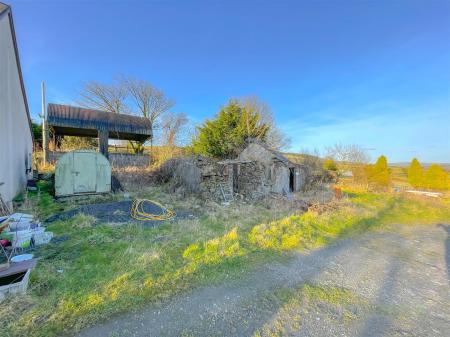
{"points": [[93, 271]]}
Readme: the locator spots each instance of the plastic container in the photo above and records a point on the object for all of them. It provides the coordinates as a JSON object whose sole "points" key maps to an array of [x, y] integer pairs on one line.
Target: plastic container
{"points": [[21, 217], [19, 226], [21, 239], [22, 257], [37, 230], [42, 238], [19, 287]]}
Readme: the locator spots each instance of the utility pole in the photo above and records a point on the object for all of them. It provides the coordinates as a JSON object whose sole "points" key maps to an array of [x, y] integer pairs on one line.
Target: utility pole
{"points": [[45, 134]]}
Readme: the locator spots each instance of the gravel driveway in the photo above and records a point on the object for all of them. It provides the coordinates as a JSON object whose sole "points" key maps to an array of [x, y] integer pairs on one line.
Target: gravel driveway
{"points": [[394, 284]]}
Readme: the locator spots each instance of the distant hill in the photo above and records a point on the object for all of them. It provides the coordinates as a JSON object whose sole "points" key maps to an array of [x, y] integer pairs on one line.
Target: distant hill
{"points": [[446, 166]]}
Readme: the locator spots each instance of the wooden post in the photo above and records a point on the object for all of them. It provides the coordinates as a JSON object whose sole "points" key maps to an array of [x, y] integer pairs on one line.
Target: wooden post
{"points": [[103, 137], [45, 133]]}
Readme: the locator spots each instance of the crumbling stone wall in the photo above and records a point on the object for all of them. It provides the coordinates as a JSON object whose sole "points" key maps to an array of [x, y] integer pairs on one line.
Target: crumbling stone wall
{"points": [[252, 181], [212, 176]]}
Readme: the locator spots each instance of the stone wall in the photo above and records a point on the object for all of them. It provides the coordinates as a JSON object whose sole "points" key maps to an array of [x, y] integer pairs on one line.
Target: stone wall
{"points": [[252, 181], [255, 152], [212, 176]]}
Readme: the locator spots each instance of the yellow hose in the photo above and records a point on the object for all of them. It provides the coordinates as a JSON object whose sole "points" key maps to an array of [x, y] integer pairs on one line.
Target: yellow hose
{"points": [[138, 213]]}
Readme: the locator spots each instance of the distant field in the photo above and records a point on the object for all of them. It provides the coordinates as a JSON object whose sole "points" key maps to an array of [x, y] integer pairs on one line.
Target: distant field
{"points": [[446, 166]]}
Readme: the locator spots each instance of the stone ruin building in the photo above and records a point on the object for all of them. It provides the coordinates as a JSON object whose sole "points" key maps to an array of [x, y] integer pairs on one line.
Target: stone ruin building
{"points": [[257, 172]]}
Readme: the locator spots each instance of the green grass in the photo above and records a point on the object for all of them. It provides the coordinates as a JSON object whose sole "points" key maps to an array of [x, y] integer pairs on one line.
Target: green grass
{"points": [[96, 271], [332, 302]]}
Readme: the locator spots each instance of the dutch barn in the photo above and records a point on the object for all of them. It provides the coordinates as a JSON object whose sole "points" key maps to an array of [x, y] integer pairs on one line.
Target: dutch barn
{"points": [[81, 122]]}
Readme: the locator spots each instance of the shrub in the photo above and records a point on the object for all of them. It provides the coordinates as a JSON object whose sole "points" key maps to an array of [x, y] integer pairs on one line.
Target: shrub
{"points": [[436, 178], [330, 165]]}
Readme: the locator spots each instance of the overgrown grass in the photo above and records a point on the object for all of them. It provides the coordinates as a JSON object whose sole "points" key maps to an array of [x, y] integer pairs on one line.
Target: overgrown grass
{"points": [[94, 271]]}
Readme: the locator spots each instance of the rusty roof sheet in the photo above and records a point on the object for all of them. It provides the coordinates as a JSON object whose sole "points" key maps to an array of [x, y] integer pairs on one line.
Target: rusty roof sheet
{"points": [[80, 118]]}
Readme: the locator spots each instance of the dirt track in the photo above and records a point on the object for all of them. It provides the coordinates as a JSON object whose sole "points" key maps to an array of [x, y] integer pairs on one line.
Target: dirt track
{"points": [[399, 284]]}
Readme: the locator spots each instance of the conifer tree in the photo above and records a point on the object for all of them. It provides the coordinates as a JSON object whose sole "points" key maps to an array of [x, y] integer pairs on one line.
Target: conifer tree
{"points": [[226, 134], [379, 173], [436, 178], [415, 174]]}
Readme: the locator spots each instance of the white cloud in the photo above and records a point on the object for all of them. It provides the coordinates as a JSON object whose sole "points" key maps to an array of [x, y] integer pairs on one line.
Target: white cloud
{"points": [[400, 136]]}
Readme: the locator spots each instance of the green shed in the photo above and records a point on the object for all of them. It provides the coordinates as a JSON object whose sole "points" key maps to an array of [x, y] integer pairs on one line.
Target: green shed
{"points": [[82, 172]]}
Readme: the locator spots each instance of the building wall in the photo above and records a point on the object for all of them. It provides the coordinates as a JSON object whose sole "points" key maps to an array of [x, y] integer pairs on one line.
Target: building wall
{"points": [[255, 152], [277, 173], [15, 136], [117, 160], [280, 178]]}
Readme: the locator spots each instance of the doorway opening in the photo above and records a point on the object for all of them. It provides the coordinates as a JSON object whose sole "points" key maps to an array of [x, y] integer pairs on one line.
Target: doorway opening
{"points": [[291, 179]]}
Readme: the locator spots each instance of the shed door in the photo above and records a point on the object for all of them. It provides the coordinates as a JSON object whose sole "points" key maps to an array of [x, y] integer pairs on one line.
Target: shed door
{"points": [[84, 172], [64, 176]]}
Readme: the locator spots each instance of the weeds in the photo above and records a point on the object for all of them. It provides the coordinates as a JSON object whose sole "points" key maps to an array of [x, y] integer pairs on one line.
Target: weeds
{"points": [[93, 272]]}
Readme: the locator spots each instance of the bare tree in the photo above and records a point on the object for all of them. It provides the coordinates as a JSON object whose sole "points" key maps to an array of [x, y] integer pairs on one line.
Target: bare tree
{"points": [[151, 101], [172, 125], [275, 137], [352, 153], [106, 97], [354, 158]]}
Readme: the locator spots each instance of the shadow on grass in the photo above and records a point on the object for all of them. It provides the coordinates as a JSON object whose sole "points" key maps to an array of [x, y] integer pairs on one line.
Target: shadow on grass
{"points": [[239, 306], [367, 224]]}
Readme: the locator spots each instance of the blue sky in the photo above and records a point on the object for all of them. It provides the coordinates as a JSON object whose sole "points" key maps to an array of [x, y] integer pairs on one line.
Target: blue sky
{"points": [[374, 73]]}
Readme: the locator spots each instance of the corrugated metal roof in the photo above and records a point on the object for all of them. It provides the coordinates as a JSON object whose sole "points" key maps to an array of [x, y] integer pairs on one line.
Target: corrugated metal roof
{"points": [[80, 118]]}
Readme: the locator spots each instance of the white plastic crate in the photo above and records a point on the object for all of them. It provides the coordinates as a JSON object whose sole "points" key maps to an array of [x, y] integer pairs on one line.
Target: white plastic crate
{"points": [[17, 287], [42, 238], [21, 239]]}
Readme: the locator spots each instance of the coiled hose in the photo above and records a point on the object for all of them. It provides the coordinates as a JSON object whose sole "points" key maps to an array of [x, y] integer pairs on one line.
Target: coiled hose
{"points": [[138, 212]]}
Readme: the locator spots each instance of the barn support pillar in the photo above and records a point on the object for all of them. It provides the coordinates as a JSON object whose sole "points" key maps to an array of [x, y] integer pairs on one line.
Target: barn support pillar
{"points": [[103, 136]]}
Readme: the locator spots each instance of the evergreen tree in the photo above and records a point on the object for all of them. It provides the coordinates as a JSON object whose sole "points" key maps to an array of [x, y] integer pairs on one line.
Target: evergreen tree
{"points": [[225, 135], [436, 178], [379, 173], [415, 174]]}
